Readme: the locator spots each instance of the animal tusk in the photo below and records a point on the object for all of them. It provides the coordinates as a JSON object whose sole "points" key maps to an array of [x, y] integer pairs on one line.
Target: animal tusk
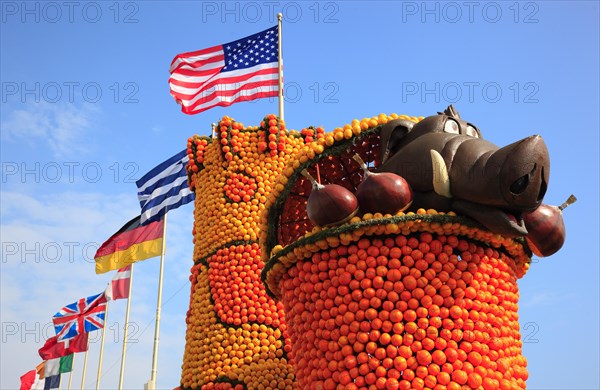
{"points": [[441, 180]]}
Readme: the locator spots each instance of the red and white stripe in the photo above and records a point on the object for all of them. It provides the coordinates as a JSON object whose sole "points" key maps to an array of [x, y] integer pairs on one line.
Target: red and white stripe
{"points": [[78, 314], [118, 288], [198, 84]]}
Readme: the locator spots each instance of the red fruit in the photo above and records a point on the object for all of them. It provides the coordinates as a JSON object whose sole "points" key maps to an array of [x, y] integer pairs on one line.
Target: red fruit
{"points": [[384, 192], [546, 228], [329, 204]]}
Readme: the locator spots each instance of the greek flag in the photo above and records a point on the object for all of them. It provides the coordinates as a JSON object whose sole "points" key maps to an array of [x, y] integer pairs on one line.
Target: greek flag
{"points": [[164, 188]]}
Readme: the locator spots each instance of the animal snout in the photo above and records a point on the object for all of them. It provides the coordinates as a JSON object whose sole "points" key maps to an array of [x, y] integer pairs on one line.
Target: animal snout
{"points": [[525, 173]]}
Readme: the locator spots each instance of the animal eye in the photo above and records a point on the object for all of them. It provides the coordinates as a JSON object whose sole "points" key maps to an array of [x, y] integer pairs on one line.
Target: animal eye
{"points": [[451, 127], [472, 132]]}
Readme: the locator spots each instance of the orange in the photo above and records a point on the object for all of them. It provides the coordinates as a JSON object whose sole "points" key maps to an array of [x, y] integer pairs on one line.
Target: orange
{"points": [[443, 378], [392, 384], [409, 282], [438, 357], [460, 377], [424, 357], [474, 380], [453, 386], [490, 384]]}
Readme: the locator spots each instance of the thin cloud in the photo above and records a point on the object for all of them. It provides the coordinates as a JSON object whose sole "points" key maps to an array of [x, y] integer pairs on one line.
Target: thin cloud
{"points": [[34, 286], [544, 298], [64, 127]]}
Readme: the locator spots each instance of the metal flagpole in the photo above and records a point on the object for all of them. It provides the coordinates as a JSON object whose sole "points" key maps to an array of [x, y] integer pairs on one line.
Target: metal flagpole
{"points": [[125, 330], [71, 373], [151, 385], [279, 18], [85, 364], [102, 348]]}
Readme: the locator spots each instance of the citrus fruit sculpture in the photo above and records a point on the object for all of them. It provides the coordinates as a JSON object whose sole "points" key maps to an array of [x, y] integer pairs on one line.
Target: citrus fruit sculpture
{"points": [[236, 334], [418, 298]]}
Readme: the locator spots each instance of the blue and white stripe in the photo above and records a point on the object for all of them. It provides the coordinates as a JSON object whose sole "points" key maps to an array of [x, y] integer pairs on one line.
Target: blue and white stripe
{"points": [[164, 188]]}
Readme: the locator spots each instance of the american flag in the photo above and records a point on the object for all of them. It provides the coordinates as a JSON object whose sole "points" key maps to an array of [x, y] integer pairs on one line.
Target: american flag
{"points": [[237, 71], [85, 315]]}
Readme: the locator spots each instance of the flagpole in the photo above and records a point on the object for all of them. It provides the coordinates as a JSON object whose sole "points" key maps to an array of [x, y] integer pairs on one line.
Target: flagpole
{"points": [[85, 364], [125, 330], [279, 18], [214, 134], [71, 373], [102, 348], [151, 385]]}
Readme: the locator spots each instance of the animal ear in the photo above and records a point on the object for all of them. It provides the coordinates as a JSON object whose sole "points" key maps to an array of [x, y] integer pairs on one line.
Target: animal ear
{"points": [[392, 135], [450, 111]]}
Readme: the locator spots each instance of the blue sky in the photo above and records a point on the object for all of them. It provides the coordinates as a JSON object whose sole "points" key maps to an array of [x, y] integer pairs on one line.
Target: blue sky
{"points": [[86, 111]]}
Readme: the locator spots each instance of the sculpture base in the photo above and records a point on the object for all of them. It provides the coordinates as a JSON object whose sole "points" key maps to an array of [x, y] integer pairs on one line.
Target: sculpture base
{"points": [[428, 306]]}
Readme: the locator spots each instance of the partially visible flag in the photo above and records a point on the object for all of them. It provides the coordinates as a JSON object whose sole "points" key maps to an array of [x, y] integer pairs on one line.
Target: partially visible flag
{"points": [[237, 71], [49, 378], [164, 188], [58, 366], [85, 315], [30, 380], [40, 369], [52, 382], [133, 242], [118, 288], [53, 348]]}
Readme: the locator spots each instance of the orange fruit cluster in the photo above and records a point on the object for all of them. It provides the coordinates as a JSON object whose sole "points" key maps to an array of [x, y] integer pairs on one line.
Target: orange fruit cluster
{"points": [[400, 311], [219, 218], [240, 187], [225, 386], [238, 293], [229, 133], [310, 134], [195, 151], [272, 135], [270, 375], [236, 334], [215, 353], [431, 221]]}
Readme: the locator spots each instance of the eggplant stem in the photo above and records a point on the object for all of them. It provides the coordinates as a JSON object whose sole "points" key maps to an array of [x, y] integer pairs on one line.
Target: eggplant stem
{"points": [[308, 176], [567, 202], [361, 162]]}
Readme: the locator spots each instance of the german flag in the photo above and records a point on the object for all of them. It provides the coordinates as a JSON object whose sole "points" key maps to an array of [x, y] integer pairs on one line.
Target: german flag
{"points": [[133, 242]]}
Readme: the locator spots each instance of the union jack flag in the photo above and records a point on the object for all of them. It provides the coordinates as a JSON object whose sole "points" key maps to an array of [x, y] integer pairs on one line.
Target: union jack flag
{"points": [[85, 315]]}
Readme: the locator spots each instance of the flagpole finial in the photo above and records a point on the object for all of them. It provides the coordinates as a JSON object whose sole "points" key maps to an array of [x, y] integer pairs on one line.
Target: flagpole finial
{"points": [[214, 129], [279, 16]]}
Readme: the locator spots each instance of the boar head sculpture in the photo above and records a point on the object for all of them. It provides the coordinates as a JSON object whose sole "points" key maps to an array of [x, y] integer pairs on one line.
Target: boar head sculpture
{"points": [[450, 167]]}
